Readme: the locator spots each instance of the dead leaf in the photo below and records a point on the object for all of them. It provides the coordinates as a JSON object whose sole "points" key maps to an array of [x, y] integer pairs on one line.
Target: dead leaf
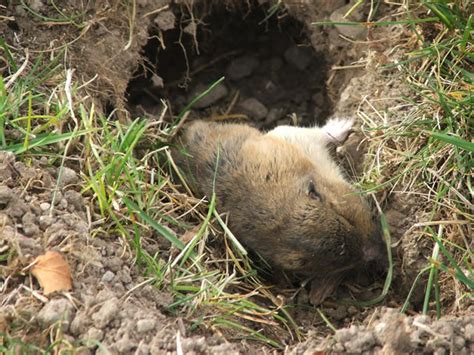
{"points": [[52, 272], [189, 234]]}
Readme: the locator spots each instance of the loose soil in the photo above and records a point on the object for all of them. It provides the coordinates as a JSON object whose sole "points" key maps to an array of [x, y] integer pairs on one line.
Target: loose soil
{"points": [[279, 70]]}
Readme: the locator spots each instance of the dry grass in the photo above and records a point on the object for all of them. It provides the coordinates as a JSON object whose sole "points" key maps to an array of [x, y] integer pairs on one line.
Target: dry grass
{"points": [[422, 149]]}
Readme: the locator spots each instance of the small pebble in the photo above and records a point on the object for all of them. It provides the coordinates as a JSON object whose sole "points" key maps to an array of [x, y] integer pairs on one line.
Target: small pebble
{"points": [[30, 230], [254, 108], [274, 115], [338, 314], [165, 20], [106, 313], [6, 194], [62, 205], [352, 310], [216, 94], [108, 276], [242, 67], [95, 334], [80, 323], [459, 342], [143, 349], [469, 332], [145, 325], [45, 206], [54, 311], [299, 57], [45, 221], [349, 31], [68, 177]]}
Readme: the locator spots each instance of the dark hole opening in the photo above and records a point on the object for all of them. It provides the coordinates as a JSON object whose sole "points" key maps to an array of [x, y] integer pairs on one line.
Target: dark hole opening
{"points": [[272, 74]]}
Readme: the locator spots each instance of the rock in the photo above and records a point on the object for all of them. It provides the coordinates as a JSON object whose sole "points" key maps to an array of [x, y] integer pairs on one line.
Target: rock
{"points": [[299, 57], [145, 325], [114, 263], [157, 81], [28, 246], [62, 205], [143, 349], [95, 334], [125, 344], [165, 20], [68, 177], [80, 323], [108, 276], [28, 218], [190, 28], [56, 310], [459, 342], [469, 332], [346, 334], [25, 172], [274, 115], [216, 94], [352, 310], [45, 206], [31, 230], [338, 314], [36, 5], [242, 67], [125, 275], [57, 198], [362, 342], [352, 31], [275, 64], [17, 208], [254, 108], [106, 313], [5, 173], [6, 195], [355, 339], [45, 221]]}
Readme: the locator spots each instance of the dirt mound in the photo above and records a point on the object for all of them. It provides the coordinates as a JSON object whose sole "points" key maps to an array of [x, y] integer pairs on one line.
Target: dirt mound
{"points": [[387, 331], [112, 305]]}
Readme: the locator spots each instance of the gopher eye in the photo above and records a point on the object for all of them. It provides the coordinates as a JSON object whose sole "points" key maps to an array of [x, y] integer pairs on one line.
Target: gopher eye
{"points": [[312, 193]]}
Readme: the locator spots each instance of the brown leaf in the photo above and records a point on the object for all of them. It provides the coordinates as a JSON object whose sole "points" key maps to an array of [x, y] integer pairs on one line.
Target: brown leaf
{"points": [[189, 234], [52, 272]]}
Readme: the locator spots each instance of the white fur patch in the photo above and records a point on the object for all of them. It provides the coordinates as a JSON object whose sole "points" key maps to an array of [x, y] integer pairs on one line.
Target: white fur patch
{"points": [[338, 129]]}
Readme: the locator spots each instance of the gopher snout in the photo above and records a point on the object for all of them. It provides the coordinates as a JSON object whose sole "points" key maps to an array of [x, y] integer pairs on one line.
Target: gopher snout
{"points": [[375, 251]]}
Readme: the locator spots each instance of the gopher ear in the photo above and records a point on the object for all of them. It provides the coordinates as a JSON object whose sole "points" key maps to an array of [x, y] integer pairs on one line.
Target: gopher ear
{"points": [[337, 129]]}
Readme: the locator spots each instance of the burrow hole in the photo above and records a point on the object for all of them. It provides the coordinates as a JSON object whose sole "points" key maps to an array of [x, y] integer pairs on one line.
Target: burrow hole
{"points": [[272, 74]]}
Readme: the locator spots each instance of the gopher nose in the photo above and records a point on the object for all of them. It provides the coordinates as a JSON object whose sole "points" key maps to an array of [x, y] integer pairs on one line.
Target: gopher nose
{"points": [[375, 252]]}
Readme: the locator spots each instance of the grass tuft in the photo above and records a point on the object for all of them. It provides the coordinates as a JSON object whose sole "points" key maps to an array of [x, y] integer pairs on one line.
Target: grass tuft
{"points": [[427, 150]]}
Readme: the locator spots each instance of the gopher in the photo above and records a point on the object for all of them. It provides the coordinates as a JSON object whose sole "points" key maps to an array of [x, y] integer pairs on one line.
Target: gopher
{"points": [[286, 197]]}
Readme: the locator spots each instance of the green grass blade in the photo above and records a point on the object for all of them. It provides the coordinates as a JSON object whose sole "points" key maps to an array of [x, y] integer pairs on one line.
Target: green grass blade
{"points": [[431, 279], [44, 140], [370, 24], [170, 236], [442, 12], [456, 141]]}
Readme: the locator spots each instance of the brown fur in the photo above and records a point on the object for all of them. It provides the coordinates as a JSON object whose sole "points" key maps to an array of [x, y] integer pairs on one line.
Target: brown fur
{"points": [[263, 182]]}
